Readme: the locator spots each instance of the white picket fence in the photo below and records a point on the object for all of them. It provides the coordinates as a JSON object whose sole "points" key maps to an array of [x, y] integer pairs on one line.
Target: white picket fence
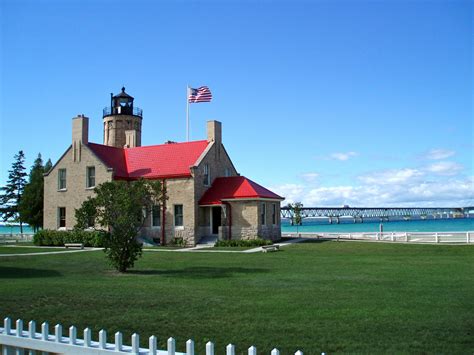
{"points": [[413, 237], [20, 341]]}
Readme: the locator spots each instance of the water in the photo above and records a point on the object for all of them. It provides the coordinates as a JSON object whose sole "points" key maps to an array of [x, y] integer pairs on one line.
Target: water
{"points": [[428, 225], [15, 229], [346, 226]]}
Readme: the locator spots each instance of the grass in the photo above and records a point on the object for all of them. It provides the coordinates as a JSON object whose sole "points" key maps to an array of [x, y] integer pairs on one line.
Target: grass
{"points": [[27, 250], [326, 296]]}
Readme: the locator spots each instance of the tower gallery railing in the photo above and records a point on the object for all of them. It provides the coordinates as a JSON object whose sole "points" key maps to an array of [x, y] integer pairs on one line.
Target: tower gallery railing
{"points": [[122, 110]]}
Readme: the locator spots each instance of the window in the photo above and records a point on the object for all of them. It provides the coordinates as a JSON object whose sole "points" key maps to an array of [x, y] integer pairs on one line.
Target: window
{"points": [[263, 212], [227, 172], [274, 209], [91, 221], [155, 216], [178, 215], [90, 176], [207, 175], [62, 217], [62, 179]]}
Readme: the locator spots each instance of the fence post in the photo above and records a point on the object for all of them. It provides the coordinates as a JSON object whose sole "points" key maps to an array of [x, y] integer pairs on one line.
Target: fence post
{"points": [[436, 237], [135, 344], [275, 352], [87, 337], [19, 327], [406, 237], [252, 350], [392, 237], [152, 347], [230, 349], [102, 339], [32, 329], [45, 331], [190, 347], [467, 237], [7, 325], [72, 335], [118, 341], [58, 332], [209, 348], [171, 346]]}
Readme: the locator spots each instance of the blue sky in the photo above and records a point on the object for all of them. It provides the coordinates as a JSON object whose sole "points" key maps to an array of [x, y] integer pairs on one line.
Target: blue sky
{"points": [[325, 102]]}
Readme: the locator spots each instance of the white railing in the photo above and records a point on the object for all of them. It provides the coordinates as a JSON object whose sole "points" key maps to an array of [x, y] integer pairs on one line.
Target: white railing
{"points": [[15, 238], [19, 341], [413, 237]]}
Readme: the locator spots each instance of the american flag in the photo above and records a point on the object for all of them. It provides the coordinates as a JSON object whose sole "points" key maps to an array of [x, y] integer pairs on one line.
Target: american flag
{"points": [[202, 94]]}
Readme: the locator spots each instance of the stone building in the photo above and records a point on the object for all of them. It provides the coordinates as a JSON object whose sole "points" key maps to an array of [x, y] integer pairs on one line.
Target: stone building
{"points": [[206, 195]]}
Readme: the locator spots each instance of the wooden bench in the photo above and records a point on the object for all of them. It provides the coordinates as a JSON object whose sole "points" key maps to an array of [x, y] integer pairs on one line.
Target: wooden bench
{"points": [[273, 247], [74, 245]]}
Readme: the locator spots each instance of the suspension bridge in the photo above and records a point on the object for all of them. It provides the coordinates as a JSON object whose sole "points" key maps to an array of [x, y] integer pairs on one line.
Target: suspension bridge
{"points": [[334, 214]]}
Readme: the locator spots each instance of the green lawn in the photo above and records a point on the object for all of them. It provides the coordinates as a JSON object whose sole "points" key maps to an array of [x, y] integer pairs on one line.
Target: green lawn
{"points": [[327, 296], [27, 250]]}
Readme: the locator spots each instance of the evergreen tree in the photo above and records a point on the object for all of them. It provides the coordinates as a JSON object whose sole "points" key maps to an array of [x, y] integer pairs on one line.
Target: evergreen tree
{"points": [[31, 206], [13, 191], [48, 166]]}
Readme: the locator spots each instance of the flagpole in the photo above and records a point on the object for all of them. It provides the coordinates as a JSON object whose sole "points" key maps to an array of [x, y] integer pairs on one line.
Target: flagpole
{"points": [[187, 113]]}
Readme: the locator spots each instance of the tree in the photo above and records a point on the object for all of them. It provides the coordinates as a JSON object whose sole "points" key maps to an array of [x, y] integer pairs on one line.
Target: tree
{"points": [[48, 166], [120, 206], [12, 192], [297, 219], [31, 205]]}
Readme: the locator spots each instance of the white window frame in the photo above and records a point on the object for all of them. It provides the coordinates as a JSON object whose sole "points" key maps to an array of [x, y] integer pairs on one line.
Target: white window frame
{"points": [[175, 215], [274, 214], [153, 214], [207, 175], [60, 179], [88, 177], [59, 217]]}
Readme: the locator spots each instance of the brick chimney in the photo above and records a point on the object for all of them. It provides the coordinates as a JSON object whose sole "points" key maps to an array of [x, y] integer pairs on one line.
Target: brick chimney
{"points": [[80, 135], [214, 132]]}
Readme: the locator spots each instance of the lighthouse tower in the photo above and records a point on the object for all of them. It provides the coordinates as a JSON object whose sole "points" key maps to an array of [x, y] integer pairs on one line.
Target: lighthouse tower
{"points": [[122, 122]]}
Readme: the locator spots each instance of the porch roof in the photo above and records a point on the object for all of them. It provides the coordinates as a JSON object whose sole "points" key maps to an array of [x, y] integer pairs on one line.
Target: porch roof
{"points": [[234, 188]]}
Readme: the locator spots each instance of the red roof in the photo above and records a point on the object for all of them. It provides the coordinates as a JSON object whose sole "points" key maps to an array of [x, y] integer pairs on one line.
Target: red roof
{"points": [[235, 187], [151, 162]]}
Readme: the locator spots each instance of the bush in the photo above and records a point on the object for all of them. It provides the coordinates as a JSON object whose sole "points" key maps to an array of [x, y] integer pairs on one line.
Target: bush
{"points": [[46, 237], [243, 243]]}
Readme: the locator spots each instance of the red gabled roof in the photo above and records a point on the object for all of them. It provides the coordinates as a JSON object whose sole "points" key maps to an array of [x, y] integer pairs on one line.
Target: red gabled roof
{"points": [[235, 187], [151, 162]]}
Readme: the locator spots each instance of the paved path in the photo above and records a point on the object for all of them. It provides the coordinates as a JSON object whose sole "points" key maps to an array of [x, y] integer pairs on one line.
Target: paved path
{"points": [[208, 249], [51, 252], [197, 249]]}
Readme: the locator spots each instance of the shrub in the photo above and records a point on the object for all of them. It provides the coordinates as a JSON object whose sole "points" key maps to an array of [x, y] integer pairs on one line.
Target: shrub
{"points": [[243, 243], [47, 237]]}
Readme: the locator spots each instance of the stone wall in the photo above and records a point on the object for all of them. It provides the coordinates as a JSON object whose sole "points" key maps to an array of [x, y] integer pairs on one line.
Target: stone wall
{"points": [[76, 191], [217, 160], [268, 230], [180, 192], [115, 127]]}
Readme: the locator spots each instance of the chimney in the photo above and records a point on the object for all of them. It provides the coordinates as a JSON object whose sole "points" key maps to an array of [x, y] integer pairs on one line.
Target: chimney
{"points": [[80, 135], [130, 138], [214, 132]]}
